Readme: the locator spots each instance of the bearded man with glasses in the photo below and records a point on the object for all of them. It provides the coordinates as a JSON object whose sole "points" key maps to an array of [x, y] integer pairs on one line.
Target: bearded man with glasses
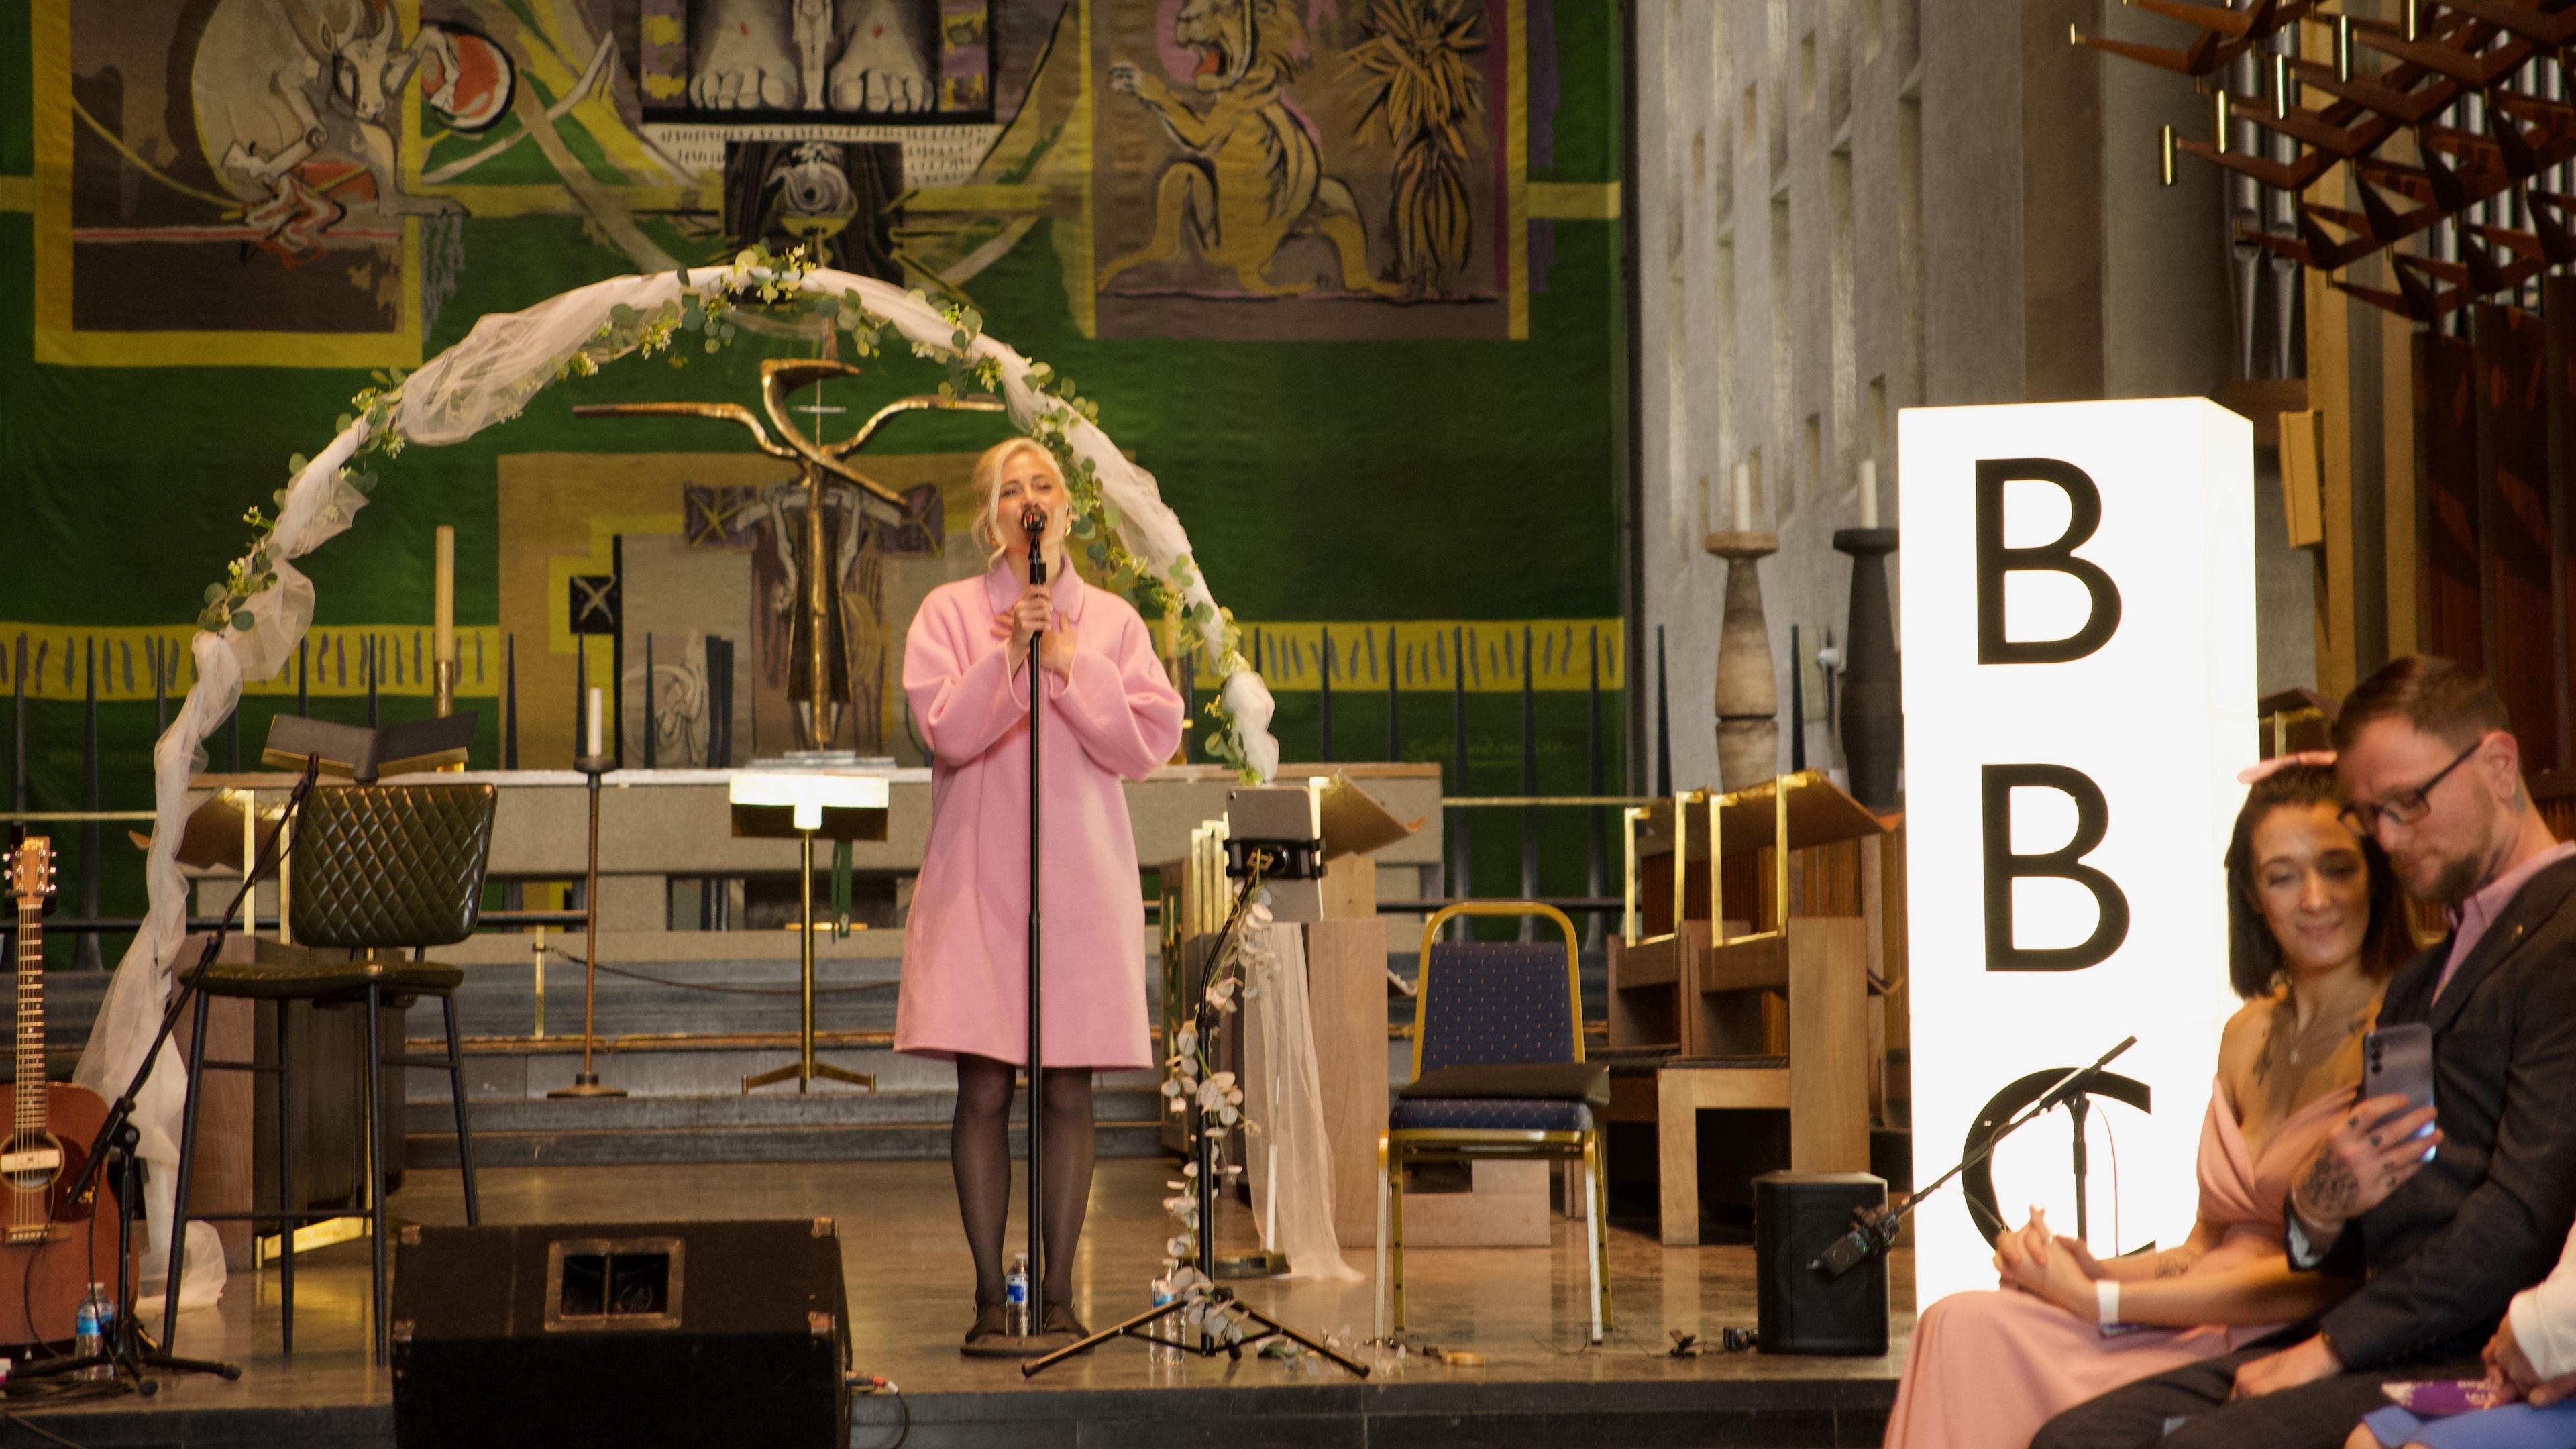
{"points": [[2446, 1216]]}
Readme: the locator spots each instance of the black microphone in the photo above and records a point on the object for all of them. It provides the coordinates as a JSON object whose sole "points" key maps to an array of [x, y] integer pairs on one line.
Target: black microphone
{"points": [[1873, 1232], [1033, 522]]}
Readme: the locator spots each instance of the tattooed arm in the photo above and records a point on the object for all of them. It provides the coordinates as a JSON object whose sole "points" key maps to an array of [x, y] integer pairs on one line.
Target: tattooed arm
{"points": [[2173, 1262], [2160, 1289], [2371, 1153], [2264, 1290]]}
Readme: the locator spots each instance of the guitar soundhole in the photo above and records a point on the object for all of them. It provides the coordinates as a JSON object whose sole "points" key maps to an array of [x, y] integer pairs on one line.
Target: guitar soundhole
{"points": [[37, 1166]]}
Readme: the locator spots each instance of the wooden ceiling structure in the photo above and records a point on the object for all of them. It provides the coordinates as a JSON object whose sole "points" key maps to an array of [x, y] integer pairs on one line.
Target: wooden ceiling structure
{"points": [[2456, 112]]}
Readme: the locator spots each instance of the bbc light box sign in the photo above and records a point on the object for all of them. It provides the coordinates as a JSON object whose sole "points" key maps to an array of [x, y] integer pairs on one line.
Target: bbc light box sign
{"points": [[2078, 604]]}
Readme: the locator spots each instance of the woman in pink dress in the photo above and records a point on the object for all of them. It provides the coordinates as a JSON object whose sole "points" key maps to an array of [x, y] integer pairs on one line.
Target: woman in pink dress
{"points": [[2314, 928], [1111, 715]]}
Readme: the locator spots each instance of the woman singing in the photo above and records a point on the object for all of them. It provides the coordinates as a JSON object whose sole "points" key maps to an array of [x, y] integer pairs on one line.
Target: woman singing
{"points": [[1111, 715]]}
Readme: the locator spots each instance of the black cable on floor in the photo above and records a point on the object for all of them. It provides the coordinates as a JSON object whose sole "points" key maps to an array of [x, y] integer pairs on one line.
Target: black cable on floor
{"points": [[904, 1431]]}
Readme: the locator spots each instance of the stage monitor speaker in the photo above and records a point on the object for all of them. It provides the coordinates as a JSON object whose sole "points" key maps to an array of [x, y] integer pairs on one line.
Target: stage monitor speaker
{"points": [[1796, 1216], [621, 1334]]}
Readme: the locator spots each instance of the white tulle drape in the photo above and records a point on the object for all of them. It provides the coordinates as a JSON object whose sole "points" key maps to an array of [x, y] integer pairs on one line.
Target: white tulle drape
{"points": [[487, 378], [1284, 1096]]}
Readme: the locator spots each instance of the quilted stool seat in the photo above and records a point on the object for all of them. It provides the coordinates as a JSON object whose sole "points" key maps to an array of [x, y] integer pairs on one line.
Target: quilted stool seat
{"points": [[325, 977], [379, 873]]}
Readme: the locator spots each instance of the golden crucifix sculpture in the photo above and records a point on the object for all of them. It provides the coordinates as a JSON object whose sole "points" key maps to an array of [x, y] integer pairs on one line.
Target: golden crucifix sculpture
{"points": [[818, 676]]}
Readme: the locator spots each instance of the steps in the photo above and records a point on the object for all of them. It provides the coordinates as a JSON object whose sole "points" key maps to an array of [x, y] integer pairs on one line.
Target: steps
{"points": [[726, 983], [723, 1006], [776, 1125]]}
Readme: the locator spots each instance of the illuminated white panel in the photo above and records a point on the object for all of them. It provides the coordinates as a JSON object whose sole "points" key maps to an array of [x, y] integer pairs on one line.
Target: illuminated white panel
{"points": [[2159, 716], [809, 793]]}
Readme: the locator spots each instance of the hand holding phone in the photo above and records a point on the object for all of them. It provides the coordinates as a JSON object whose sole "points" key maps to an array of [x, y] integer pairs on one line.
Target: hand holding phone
{"points": [[2383, 1141]]}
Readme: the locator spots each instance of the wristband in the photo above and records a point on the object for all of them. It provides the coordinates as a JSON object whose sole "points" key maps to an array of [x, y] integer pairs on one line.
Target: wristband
{"points": [[2106, 1301]]}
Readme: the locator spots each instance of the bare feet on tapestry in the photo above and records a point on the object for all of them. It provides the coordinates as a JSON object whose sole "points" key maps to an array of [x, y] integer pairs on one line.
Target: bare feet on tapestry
{"points": [[742, 56], [884, 57]]}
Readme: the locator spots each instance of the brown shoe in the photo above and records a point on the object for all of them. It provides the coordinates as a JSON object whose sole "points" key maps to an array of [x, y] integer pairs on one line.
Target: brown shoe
{"points": [[1060, 1321], [991, 1325]]}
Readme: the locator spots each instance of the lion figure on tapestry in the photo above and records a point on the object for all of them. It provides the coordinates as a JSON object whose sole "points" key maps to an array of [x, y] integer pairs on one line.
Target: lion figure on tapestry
{"points": [[1251, 170]]}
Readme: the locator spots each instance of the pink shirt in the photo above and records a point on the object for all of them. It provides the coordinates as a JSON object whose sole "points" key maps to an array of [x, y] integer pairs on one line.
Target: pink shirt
{"points": [[2470, 921]]}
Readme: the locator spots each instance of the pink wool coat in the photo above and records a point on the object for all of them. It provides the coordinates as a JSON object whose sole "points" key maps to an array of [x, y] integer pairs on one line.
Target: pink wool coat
{"points": [[965, 947]]}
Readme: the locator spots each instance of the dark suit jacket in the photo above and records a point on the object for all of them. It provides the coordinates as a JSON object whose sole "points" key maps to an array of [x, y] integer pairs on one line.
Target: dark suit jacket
{"points": [[2447, 1251]]}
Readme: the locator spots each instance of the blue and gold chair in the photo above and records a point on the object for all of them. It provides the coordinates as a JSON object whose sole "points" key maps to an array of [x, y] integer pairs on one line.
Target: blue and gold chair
{"points": [[1498, 1074]]}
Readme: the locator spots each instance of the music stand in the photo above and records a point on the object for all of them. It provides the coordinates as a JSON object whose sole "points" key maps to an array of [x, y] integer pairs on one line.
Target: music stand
{"points": [[361, 754], [805, 804]]}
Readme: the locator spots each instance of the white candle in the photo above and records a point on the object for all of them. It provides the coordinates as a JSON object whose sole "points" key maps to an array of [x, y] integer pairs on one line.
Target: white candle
{"points": [[594, 751], [1744, 498], [443, 611], [1869, 493]]}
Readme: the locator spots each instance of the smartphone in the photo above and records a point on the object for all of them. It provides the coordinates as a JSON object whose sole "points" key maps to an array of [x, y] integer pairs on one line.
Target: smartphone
{"points": [[2398, 1061]]}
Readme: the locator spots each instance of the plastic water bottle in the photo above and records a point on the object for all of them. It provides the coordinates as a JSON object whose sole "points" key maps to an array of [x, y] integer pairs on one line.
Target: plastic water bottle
{"points": [[105, 1313], [1015, 1296], [86, 1342], [1159, 1351]]}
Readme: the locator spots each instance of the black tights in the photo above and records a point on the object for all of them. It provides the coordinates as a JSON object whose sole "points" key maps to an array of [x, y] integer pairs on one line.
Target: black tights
{"points": [[979, 1149]]}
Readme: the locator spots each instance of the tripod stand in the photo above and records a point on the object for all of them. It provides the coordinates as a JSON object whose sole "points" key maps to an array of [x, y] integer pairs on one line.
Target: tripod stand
{"points": [[122, 1350], [1203, 1157]]}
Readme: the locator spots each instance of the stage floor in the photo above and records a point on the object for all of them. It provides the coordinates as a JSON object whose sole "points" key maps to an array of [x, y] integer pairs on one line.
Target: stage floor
{"points": [[910, 1289]]}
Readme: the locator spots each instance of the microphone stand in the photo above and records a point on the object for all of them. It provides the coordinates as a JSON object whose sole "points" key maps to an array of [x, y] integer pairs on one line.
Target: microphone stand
{"points": [[1220, 1301], [1874, 1229], [122, 1350], [1033, 522]]}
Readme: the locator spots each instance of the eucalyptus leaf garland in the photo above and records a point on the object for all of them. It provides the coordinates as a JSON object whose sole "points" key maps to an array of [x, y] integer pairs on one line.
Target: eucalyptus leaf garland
{"points": [[764, 283]]}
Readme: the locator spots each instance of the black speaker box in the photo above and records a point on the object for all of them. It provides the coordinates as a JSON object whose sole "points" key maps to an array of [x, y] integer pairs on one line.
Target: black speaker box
{"points": [[621, 1334], [1796, 1216]]}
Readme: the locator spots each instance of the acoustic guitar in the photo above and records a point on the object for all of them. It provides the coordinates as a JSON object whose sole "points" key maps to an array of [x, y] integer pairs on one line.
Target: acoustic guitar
{"points": [[51, 1248]]}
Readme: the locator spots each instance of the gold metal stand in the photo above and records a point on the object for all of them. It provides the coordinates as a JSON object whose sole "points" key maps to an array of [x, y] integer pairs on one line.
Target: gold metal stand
{"points": [[586, 1082], [825, 468], [805, 1069]]}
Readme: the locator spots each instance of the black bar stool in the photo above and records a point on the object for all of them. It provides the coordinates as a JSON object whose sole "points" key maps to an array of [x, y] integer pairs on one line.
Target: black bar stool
{"points": [[377, 873]]}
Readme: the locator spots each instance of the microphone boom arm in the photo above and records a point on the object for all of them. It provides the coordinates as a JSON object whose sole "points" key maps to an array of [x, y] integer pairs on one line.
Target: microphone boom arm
{"points": [[1872, 1235]]}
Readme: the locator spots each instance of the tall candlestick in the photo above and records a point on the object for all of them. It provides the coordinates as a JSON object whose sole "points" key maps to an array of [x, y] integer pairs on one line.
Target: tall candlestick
{"points": [[443, 611], [1869, 493], [594, 750], [1744, 498]]}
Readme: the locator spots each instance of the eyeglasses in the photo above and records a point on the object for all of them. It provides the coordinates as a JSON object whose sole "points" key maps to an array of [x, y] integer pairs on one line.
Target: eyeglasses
{"points": [[2403, 808]]}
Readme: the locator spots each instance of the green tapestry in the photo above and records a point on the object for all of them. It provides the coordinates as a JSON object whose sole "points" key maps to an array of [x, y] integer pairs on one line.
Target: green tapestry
{"points": [[1344, 275]]}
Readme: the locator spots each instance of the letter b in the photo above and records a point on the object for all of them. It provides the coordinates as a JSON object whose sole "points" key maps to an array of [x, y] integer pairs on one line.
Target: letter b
{"points": [[2084, 509], [2003, 866]]}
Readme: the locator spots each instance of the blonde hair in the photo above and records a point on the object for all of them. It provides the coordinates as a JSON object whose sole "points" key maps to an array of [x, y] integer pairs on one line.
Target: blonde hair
{"points": [[988, 487]]}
